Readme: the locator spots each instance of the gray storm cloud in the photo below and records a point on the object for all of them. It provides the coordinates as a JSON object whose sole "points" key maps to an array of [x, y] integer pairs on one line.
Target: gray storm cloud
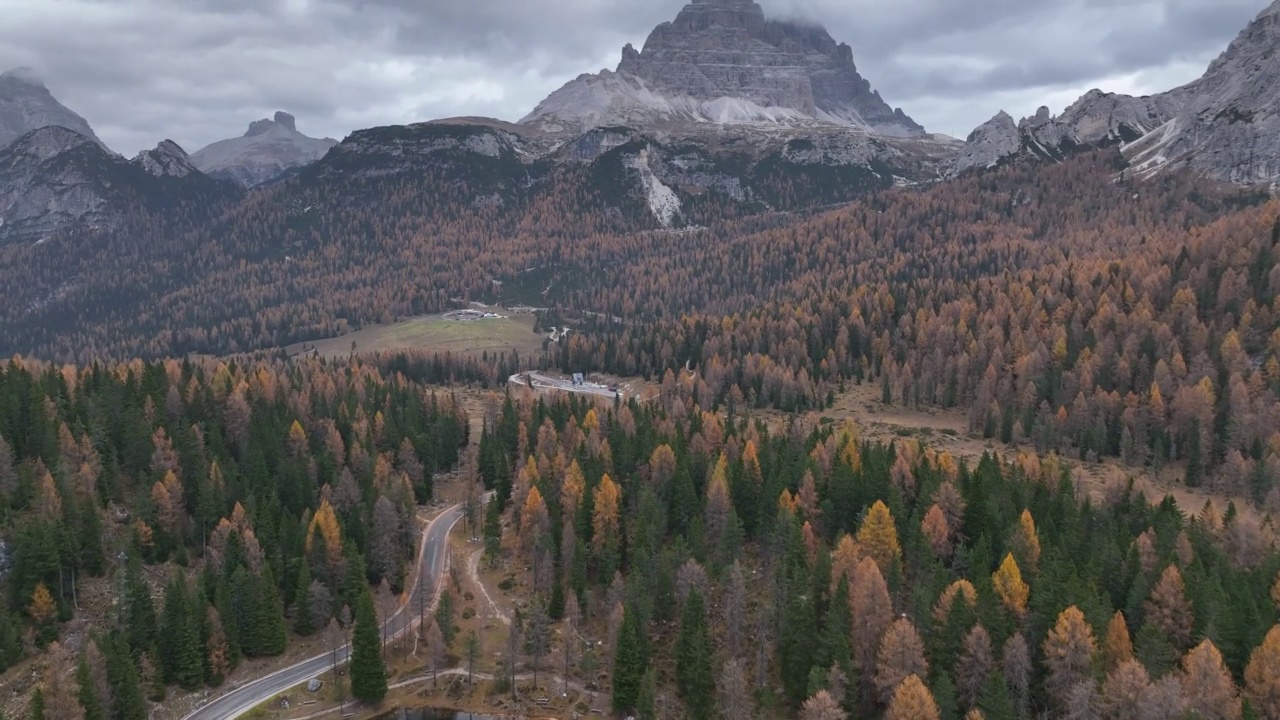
{"points": [[200, 71]]}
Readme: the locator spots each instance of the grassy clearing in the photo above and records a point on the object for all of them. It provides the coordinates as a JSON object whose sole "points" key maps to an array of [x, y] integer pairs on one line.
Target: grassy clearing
{"points": [[436, 334]]}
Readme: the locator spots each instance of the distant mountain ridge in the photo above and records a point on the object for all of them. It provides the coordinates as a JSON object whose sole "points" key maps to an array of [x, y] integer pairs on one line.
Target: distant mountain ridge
{"points": [[267, 150]]}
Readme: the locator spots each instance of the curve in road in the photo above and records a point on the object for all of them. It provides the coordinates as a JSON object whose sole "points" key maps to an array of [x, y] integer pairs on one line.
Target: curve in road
{"points": [[431, 557]]}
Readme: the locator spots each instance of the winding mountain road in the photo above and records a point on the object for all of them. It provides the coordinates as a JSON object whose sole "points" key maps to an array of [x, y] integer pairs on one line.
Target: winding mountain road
{"points": [[432, 556]]}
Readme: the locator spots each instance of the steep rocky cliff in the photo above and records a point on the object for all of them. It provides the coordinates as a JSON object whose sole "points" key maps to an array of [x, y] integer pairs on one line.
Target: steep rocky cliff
{"points": [[724, 62], [1229, 124]]}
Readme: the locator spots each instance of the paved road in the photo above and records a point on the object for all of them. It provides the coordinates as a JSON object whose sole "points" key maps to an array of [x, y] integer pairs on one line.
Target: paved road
{"points": [[432, 554]]}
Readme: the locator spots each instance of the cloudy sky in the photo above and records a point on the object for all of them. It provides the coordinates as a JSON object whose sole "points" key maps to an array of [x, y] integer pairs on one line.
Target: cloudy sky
{"points": [[197, 71]]}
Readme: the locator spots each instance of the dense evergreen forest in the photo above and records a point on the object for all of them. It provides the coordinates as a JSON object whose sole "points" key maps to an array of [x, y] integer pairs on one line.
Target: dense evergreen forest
{"points": [[274, 496], [739, 571]]}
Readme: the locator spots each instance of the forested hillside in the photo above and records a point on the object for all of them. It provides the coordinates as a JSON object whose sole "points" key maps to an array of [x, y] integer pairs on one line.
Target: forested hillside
{"points": [[738, 572], [1065, 305], [1088, 315], [271, 496]]}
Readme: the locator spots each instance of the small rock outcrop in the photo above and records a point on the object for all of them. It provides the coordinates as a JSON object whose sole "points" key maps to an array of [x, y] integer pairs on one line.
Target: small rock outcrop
{"points": [[724, 62], [270, 148], [26, 105]]}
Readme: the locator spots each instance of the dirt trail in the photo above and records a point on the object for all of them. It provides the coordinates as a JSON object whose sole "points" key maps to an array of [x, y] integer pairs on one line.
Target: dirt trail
{"points": [[473, 574]]}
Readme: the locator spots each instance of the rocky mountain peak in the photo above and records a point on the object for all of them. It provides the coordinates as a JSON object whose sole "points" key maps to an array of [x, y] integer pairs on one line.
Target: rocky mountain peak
{"points": [[724, 62], [26, 105], [989, 143], [271, 147], [168, 159], [49, 141]]}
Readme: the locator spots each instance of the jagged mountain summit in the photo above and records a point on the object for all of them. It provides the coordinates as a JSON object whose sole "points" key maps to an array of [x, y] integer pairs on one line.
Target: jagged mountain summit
{"points": [[54, 180], [723, 62], [270, 148], [1097, 119], [167, 159], [26, 105], [1225, 125]]}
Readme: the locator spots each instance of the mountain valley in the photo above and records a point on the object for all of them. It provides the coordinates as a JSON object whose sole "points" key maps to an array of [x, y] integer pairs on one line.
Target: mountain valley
{"points": [[716, 386]]}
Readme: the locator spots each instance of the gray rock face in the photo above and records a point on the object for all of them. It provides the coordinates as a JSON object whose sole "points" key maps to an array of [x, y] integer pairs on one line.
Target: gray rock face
{"points": [[989, 143], [1100, 118], [723, 62], [51, 178], [54, 180], [168, 159], [1229, 124], [269, 149], [26, 105], [1225, 125], [1097, 119]]}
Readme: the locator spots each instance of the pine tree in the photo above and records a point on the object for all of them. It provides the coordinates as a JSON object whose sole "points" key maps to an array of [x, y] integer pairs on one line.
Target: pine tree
{"points": [[1009, 586], [1207, 685], [878, 537], [1262, 676], [473, 653], [445, 617], [127, 701], [1168, 608], [912, 701], [901, 656], [181, 655], [1118, 647], [304, 623], [872, 611], [647, 702], [138, 612], [1068, 655], [368, 674], [269, 634], [87, 691], [37, 705], [693, 660], [733, 692], [1026, 543], [975, 665], [1195, 461], [628, 665], [1123, 691], [822, 706], [836, 630], [44, 615]]}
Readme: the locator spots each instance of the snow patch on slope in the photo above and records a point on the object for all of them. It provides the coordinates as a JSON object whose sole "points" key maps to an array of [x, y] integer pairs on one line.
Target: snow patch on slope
{"points": [[663, 201]]}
